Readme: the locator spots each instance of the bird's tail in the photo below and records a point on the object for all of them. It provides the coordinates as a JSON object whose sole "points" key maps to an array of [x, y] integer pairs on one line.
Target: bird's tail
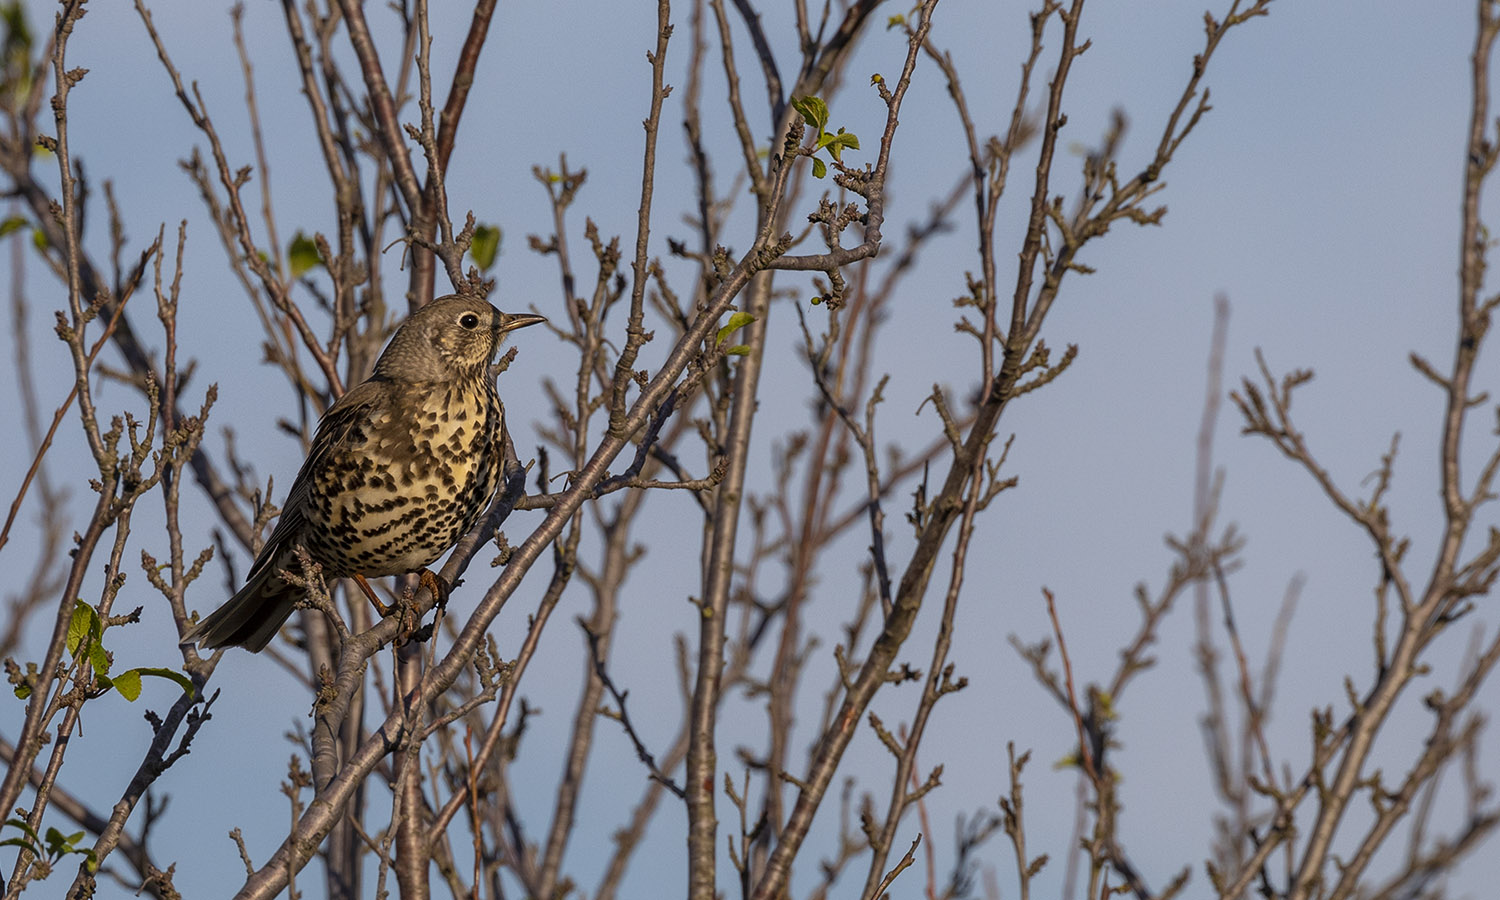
{"points": [[251, 617]]}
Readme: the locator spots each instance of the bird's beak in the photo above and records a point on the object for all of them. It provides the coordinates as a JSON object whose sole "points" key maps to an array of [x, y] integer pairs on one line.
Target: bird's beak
{"points": [[509, 322]]}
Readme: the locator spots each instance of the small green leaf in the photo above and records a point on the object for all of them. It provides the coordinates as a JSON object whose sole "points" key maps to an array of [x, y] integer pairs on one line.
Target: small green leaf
{"points": [[303, 255], [24, 844], [820, 168], [738, 350], [128, 683], [485, 246], [59, 843], [97, 657], [736, 322], [85, 635], [23, 691], [85, 623], [837, 142], [172, 675], [39, 239], [14, 223], [814, 111], [21, 824]]}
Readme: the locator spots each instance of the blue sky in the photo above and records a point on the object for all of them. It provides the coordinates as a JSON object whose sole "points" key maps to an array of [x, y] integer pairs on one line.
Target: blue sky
{"points": [[1321, 195]]}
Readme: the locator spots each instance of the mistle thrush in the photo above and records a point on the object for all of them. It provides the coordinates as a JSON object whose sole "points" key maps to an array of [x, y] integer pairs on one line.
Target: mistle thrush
{"points": [[400, 468]]}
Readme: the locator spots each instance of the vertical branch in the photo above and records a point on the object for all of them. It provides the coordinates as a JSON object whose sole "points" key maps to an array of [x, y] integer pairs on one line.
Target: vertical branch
{"points": [[29, 744], [701, 777], [382, 105], [252, 110], [239, 219], [463, 80], [753, 167], [702, 758], [434, 209], [939, 682], [1036, 222], [1473, 317], [422, 277], [635, 331], [412, 861], [1422, 621], [606, 587], [45, 578]]}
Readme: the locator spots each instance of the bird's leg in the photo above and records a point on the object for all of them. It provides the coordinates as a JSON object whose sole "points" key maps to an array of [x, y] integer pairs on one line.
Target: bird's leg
{"points": [[428, 579], [436, 585], [370, 593]]}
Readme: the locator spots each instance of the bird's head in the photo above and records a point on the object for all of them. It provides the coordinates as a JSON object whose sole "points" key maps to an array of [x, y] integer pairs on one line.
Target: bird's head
{"points": [[450, 337]]}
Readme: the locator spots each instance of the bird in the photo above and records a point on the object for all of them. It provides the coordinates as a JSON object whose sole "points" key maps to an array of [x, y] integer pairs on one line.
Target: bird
{"points": [[399, 469]]}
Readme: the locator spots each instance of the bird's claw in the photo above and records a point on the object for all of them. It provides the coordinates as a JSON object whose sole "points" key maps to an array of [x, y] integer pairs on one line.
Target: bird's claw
{"points": [[407, 631], [437, 586]]}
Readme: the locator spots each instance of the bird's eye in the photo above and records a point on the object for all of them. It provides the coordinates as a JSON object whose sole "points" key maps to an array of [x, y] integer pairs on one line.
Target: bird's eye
{"points": [[469, 320]]}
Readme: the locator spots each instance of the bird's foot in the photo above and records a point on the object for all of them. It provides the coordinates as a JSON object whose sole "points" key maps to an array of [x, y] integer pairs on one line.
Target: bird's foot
{"points": [[440, 589], [437, 586], [405, 608]]}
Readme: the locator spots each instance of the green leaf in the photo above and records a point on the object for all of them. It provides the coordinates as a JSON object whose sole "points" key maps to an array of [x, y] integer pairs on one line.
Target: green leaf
{"points": [[24, 844], [39, 239], [485, 246], [59, 843], [128, 683], [172, 675], [21, 824], [23, 691], [32, 841], [86, 635], [820, 168], [736, 322], [84, 624], [303, 255], [14, 223], [837, 142], [97, 657], [814, 111], [738, 350]]}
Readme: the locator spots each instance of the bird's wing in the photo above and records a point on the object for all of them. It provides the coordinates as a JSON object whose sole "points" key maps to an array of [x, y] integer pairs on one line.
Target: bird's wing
{"points": [[333, 430]]}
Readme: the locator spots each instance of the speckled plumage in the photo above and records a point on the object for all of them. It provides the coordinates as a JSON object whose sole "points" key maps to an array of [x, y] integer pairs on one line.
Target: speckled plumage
{"points": [[400, 468]]}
